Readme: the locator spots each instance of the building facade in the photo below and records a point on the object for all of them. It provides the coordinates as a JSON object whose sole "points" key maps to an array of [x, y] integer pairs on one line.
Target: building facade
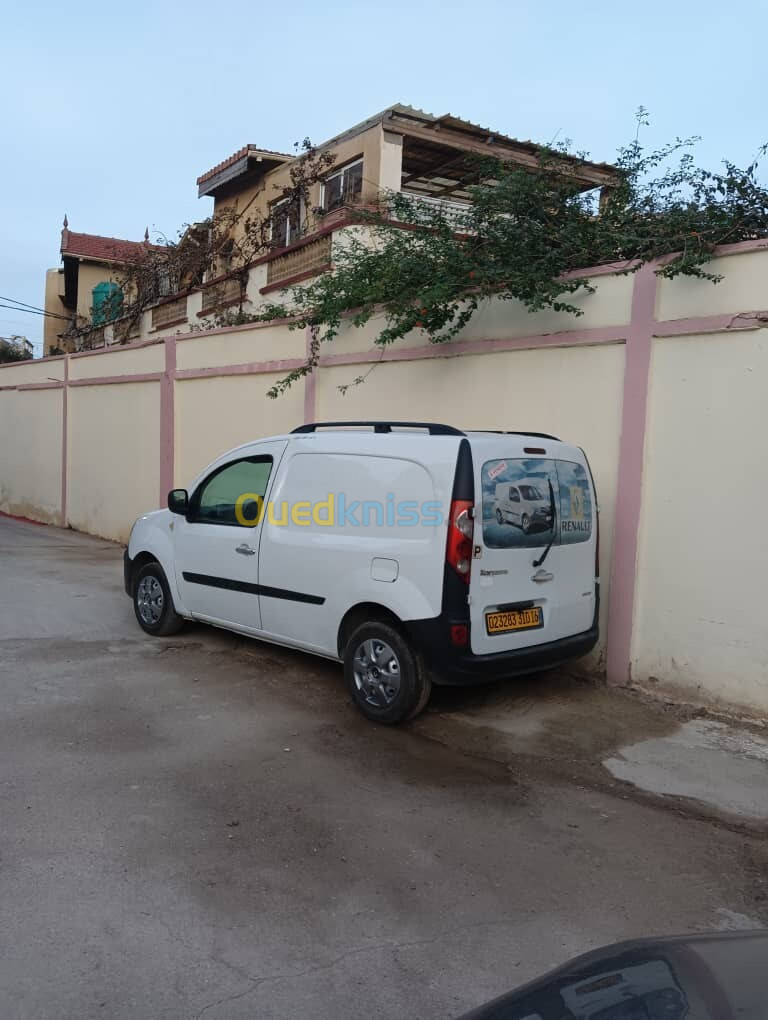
{"points": [[86, 286], [399, 150]]}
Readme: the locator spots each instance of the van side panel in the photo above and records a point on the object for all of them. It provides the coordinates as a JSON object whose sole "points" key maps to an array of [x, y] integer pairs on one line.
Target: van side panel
{"points": [[370, 527]]}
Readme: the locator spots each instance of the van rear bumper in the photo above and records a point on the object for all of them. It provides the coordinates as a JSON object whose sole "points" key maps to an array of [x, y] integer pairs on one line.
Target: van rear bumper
{"points": [[459, 666]]}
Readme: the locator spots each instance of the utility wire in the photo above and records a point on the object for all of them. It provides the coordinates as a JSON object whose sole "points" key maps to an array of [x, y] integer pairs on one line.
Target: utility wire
{"points": [[23, 306], [33, 311], [16, 301]]}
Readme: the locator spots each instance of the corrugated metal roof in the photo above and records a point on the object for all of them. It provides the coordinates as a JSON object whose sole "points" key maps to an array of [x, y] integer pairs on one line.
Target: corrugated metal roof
{"points": [[448, 120], [460, 124]]}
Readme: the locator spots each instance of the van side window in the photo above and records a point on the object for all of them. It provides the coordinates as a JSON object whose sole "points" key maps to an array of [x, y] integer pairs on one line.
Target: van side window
{"points": [[514, 495], [216, 498]]}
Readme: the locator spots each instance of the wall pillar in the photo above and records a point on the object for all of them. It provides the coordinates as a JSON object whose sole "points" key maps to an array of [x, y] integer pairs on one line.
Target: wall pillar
{"points": [[64, 441], [391, 162], [621, 603], [167, 420]]}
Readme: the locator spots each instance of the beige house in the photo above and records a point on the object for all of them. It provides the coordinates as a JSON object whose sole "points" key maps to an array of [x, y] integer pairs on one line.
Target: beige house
{"points": [[400, 149], [86, 283]]}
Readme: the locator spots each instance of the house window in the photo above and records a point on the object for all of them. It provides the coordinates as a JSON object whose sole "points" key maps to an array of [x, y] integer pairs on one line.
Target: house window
{"points": [[286, 222], [343, 187], [107, 302], [166, 280], [226, 254]]}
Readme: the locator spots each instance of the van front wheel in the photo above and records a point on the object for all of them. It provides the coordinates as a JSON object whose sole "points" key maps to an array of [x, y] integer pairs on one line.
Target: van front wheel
{"points": [[387, 679], [152, 602]]}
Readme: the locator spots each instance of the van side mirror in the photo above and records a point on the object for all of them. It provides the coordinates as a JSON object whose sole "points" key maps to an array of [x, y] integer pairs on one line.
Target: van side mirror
{"points": [[178, 501]]}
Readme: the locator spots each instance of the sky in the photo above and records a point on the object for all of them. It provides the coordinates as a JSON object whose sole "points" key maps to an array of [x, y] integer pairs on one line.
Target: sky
{"points": [[110, 114]]}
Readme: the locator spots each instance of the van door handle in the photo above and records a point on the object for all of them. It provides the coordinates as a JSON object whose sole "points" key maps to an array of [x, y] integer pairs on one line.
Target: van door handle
{"points": [[246, 550], [541, 576]]}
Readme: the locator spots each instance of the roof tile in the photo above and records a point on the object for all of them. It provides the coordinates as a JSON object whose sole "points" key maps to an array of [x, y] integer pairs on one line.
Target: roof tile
{"points": [[105, 249], [234, 158]]}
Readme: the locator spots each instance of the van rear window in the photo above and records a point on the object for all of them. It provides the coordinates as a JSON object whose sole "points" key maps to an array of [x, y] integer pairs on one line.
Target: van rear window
{"points": [[520, 495]]}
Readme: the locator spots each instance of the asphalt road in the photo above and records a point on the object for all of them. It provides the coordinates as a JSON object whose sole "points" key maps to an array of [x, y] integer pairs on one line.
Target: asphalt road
{"points": [[204, 827]]}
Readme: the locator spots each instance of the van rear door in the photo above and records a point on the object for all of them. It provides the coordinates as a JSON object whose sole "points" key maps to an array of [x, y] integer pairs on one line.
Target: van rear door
{"points": [[533, 571]]}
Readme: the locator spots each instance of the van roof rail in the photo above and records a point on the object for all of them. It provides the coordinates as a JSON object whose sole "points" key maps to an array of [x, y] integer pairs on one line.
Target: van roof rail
{"points": [[434, 428], [510, 432]]}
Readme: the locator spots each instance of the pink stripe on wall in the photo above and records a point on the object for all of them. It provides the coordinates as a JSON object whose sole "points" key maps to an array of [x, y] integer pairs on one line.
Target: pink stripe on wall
{"points": [[167, 420], [630, 476], [567, 338], [116, 380], [247, 368]]}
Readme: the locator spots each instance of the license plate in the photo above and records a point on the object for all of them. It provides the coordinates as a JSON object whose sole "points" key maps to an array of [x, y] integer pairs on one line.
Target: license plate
{"points": [[505, 620]]}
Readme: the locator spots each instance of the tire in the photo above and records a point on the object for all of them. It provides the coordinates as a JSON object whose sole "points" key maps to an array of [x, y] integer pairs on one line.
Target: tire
{"points": [[525, 523], [387, 679], [499, 517], [152, 602]]}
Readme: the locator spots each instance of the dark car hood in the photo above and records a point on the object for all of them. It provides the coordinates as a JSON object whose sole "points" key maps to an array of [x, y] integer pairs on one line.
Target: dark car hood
{"points": [[688, 977]]}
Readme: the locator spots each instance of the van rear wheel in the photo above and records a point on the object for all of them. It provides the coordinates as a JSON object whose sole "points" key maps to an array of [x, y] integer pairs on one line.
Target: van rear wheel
{"points": [[386, 677]]}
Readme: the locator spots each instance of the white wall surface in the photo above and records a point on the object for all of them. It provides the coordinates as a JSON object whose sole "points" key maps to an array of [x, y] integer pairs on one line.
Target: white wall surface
{"points": [[114, 460], [701, 619], [30, 454]]}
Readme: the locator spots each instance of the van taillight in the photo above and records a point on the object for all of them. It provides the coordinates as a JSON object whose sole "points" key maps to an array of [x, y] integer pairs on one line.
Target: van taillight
{"points": [[461, 531]]}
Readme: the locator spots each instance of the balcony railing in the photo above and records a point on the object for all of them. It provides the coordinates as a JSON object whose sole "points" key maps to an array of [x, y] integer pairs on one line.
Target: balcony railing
{"points": [[91, 339], [227, 292], [310, 258], [170, 312], [454, 212], [125, 330]]}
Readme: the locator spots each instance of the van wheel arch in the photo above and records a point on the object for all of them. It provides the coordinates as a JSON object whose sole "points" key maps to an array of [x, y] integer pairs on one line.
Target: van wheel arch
{"points": [[139, 561], [363, 613], [387, 678], [153, 602]]}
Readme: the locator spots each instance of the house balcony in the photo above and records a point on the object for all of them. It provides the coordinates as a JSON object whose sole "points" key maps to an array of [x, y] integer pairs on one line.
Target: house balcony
{"points": [[454, 212], [222, 294], [170, 313], [308, 258]]}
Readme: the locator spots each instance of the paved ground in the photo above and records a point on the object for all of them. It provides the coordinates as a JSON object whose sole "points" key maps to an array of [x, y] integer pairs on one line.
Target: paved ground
{"points": [[203, 827]]}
